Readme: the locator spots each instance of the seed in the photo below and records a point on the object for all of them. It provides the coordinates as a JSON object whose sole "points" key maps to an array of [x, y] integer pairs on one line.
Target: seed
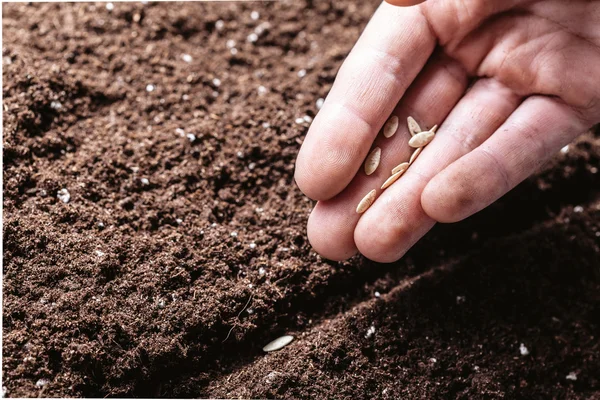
{"points": [[372, 161], [422, 139], [366, 202], [278, 343], [413, 126], [390, 127], [414, 155], [392, 179], [400, 167]]}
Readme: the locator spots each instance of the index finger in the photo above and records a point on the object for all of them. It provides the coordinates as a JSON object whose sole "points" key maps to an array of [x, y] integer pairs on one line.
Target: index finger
{"points": [[392, 50]]}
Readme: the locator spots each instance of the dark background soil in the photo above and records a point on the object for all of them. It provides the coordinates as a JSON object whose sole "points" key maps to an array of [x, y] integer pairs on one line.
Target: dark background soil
{"points": [[171, 286]]}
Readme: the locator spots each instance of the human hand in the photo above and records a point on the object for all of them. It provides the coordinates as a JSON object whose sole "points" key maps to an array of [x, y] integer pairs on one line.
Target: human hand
{"points": [[535, 73]]}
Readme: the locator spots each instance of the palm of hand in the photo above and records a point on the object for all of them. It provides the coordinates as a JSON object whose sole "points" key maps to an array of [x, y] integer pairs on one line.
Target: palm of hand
{"points": [[535, 67]]}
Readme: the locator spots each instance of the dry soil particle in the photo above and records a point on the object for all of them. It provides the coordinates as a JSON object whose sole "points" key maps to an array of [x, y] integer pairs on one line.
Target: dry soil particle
{"points": [[181, 250]]}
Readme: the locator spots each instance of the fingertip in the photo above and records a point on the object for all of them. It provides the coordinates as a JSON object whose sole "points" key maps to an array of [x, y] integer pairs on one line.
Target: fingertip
{"points": [[438, 203], [449, 197], [329, 234], [310, 183], [381, 242]]}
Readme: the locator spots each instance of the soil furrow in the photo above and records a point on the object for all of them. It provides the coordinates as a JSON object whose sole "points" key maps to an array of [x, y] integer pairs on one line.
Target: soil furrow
{"points": [[446, 334]]}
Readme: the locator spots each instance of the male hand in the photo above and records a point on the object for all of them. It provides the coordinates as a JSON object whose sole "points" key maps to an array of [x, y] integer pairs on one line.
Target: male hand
{"points": [[535, 73]]}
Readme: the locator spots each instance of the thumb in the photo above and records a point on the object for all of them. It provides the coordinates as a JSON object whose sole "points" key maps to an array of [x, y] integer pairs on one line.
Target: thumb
{"points": [[404, 3]]}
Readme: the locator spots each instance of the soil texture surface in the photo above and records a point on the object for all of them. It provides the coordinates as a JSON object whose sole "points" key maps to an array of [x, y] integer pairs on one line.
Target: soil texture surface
{"points": [[154, 238]]}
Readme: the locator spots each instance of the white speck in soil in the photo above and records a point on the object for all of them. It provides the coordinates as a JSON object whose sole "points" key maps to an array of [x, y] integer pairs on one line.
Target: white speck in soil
{"points": [[56, 105], [259, 210], [307, 118], [110, 6], [187, 58], [250, 286], [252, 245], [185, 97], [261, 28], [460, 299], [233, 51], [64, 195], [216, 82], [161, 303], [145, 181], [272, 375], [4, 391], [41, 383], [230, 44], [254, 15], [266, 125], [594, 170], [234, 234], [565, 149], [7, 60], [252, 38], [214, 224], [191, 137], [578, 209], [100, 224], [250, 311], [251, 166], [572, 376], [149, 88], [319, 103], [377, 294], [432, 360], [215, 93], [240, 154], [370, 332], [261, 271], [523, 350], [219, 25], [302, 73], [476, 368], [99, 253], [180, 132], [299, 120], [179, 221], [262, 90]]}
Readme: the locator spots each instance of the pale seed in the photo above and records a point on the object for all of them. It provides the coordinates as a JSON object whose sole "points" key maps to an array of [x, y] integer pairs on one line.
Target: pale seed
{"points": [[422, 139], [372, 161], [392, 179], [414, 155], [400, 167], [366, 202], [390, 127], [413, 126], [278, 343]]}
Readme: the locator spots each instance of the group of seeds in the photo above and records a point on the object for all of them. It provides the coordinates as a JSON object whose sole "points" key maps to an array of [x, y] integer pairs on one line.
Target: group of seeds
{"points": [[419, 139]]}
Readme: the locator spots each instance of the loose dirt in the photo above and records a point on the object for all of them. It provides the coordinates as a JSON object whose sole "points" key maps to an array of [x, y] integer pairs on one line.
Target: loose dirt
{"points": [[180, 250]]}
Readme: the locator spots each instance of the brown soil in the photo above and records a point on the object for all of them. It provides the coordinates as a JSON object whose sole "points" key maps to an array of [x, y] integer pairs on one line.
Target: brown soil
{"points": [[142, 288]]}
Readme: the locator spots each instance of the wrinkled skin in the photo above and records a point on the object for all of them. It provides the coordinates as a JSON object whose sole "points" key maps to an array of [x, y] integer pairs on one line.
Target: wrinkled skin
{"points": [[509, 82]]}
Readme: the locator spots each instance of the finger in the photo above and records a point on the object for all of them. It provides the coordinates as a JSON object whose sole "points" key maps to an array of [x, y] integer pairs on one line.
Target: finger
{"points": [[431, 97], [383, 63], [396, 220], [404, 3], [535, 132]]}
